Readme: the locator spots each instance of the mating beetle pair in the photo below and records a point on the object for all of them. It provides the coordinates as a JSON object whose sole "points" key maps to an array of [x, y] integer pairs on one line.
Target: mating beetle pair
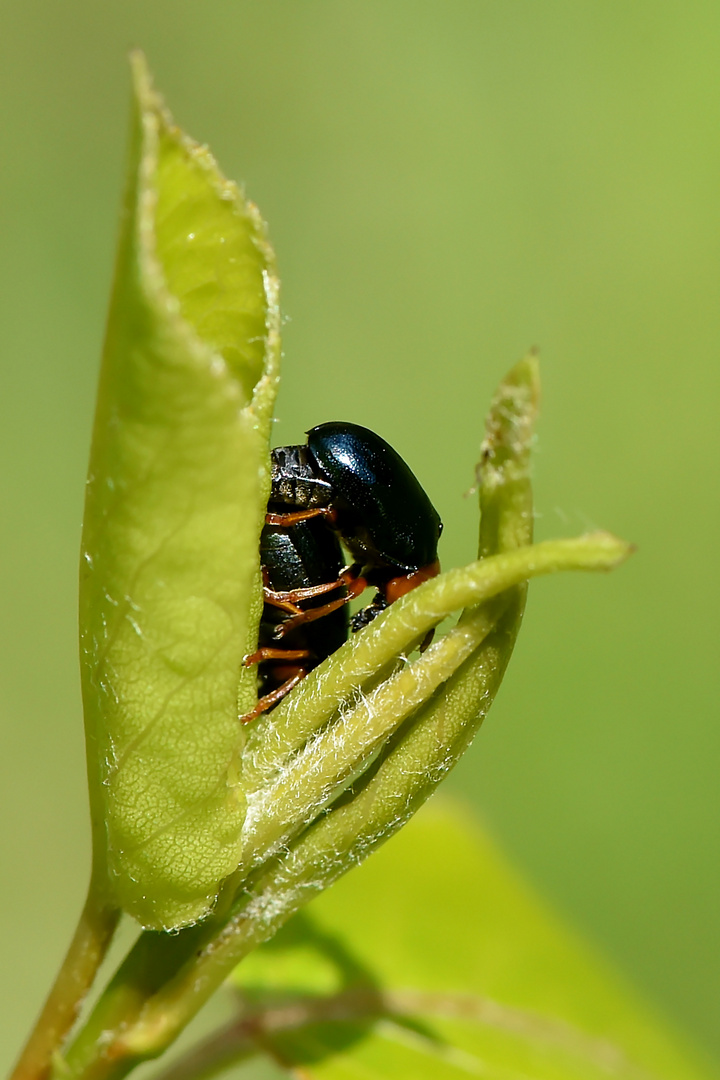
{"points": [[346, 484]]}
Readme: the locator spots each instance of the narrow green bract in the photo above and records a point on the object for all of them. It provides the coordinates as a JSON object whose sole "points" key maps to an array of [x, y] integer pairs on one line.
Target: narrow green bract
{"points": [[169, 595]]}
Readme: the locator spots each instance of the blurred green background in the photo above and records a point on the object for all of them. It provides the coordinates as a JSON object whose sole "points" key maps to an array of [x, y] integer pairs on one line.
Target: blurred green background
{"points": [[446, 184]]}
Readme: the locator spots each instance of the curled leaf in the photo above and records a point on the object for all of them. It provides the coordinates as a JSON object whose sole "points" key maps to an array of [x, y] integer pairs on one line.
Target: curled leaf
{"points": [[178, 481]]}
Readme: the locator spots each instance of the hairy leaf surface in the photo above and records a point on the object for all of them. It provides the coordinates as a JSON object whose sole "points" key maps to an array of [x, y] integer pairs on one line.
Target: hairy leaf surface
{"points": [[176, 493]]}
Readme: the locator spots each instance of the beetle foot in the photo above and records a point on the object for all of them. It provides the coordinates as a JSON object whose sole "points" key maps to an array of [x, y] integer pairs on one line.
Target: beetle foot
{"points": [[367, 614]]}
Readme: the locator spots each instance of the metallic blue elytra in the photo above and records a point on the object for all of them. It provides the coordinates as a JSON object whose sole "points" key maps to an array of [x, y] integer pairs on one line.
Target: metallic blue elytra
{"points": [[384, 514]]}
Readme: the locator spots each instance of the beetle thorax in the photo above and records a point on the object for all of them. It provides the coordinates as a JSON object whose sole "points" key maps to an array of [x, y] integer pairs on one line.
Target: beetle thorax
{"points": [[296, 480]]}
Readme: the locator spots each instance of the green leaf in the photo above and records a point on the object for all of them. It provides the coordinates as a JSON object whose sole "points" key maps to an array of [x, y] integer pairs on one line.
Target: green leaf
{"points": [[177, 488], [435, 959]]}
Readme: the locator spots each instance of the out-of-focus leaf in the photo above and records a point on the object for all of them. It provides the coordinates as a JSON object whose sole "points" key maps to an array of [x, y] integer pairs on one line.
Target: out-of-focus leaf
{"points": [[436, 960], [177, 488]]}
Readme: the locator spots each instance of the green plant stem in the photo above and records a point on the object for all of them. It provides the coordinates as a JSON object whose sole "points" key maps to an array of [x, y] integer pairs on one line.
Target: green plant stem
{"points": [[87, 949], [151, 962]]}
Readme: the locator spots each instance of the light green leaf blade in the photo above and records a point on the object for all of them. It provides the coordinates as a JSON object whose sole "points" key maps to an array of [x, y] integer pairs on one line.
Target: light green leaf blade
{"points": [[435, 959], [178, 481]]}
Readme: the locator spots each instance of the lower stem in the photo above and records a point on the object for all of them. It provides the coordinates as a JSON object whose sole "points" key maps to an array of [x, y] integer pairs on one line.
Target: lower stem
{"points": [[90, 942]]}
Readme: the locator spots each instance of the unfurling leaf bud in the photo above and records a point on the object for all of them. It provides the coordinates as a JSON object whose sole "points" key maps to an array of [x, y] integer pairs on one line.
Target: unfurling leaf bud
{"points": [[187, 803]]}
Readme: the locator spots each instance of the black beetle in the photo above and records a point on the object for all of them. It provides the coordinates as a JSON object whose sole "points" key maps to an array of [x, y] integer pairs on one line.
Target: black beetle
{"points": [[297, 562], [346, 482], [382, 513]]}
